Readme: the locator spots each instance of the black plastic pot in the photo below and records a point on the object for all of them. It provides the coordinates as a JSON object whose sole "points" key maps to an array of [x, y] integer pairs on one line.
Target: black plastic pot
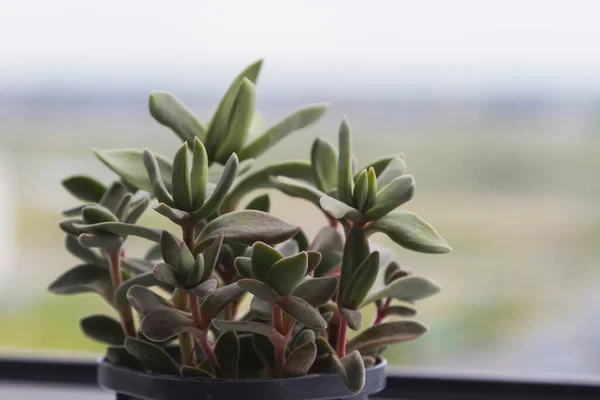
{"points": [[130, 384]]}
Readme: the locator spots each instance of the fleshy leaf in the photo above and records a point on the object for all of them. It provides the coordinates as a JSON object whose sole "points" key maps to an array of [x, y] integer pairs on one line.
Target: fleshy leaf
{"points": [[180, 178], [352, 370], [339, 210], [96, 214], [371, 188], [300, 360], [146, 279], [352, 317], [356, 250], [170, 248], [165, 323], [344, 180], [302, 312], [84, 188], [243, 266], [394, 194], [382, 335], [316, 291], [129, 165], [296, 120], [211, 256], [103, 328], [411, 232], [217, 300], [119, 356], [324, 158], [144, 300], [167, 110], [152, 357], [123, 206], [246, 326], [286, 273], [263, 257], [113, 195], [288, 248], [122, 229], [199, 174], [260, 203], [249, 226], [227, 351], [82, 279], [314, 259], [296, 188], [261, 308], [410, 288], [107, 242], [361, 191], [204, 289], [264, 350], [303, 337], [402, 311], [83, 253], [259, 289], [361, 282], [329, 243], [214, 201], [177, 216], [395, 168], [156, 178]]}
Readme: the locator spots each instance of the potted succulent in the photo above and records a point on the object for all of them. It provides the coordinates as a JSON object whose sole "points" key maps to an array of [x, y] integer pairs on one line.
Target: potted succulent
{"points": [[242, 303]]}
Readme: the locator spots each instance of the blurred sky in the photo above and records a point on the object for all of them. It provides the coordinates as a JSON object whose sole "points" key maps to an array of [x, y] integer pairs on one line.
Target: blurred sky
{"points": [[334, 42]]}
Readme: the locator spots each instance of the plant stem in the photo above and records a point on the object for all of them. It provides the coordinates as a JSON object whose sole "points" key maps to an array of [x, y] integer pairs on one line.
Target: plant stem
{"points": [[279, 343], [278, 319], [341, 344], [186, 340], [382, 311], [202, 337], [125, 311]]}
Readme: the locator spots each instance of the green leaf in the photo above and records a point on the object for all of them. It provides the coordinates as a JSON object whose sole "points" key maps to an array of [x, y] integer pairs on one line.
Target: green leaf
{"points": [[199, 174], [305, 336], [314, 259], [352, 370], [402, 311], [302, 312], [261, 308], [239, 121], [107, 242], [204, 289], [356, 250], [136, 210], [296, 188], [122, 229], [227, 351], [288, 248], [246, 326], [263, 257], [361, 282], [339, 210], [170, 248], [119, 356], [165, 273], [324, 159], [152, 357], [95, 214], [147, 279], [156, 179], [394, 194], [329, 243], [83, 253], [243, 266], [260, 180], [129, 165], [113, 195], [145, 301], [103, 329], [153, 252], [218, 124], [297, 119], [82, 279], [411, 232], [123, 206], [286, 273], [249, 226], [302, 241], [216, 301], [391, 270], [194, 277], [379, 336], [316, 291], [361, 191], [180, 178], [352, 317], [136, 265], [344, 181], [300, 360], [395, 168], [410, 288], [264, 350], [84, 188], [380, 164], [217, 197], [259, 289], [177, 216], [165, 323], [211, 256], [260, 203], [167, 110]]}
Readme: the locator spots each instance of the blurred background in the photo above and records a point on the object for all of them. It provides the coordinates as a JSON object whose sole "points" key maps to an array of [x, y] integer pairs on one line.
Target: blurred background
{"points": [[496, 105]]}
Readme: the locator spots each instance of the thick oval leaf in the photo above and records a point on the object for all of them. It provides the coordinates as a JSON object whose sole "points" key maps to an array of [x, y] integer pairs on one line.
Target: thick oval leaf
{"points": [[411, 232], [264, 350], [249, 226], [123, 206], [204, 289], [146, 279], [352, 317], [302, 312], [260, 180], [145, 301], [305, 336], [259, 289], [361, 191], [324, 159], [286, 273], [410, 288], [214, 201], [152, 357], [180, 178], [297, 119], [371, 188], [356, 250], [296, 188], [129, 165], [316, 291], [107, 242], [103, 329], [84, 278], [352, 369], [261, 308], [240, 119], [361, 282], [211, 256], [382, 335], [314, 259], [227, 351], [380, 164], [395, 168], [246, 326], [216, 301], [167, 110], [344, 180], [165, 323], [113, 195], [329, 243], [394, 194], [199, 174], [156, 178], [260, 203], [300, 360], [119, 356], [177, 216], [401, 311], [339, 210], [87, 255], [243, 266], [288, 248], [263, 257], [84, 187], [122, 229], [96, 214]]}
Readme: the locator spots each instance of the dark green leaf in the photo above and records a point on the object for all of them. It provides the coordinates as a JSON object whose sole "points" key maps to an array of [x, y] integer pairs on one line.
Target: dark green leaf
{"points": [[199, 174], [344, 180], [84, 278], [394, 194], [296, 188], [243, 266], [286, 273], [152, 357], [371, 188], [217, 300], [260, 203], [108, 242], [95, 214], [117, 355], [84, 187], [177, 216], [411, 232], [122, 229], [261, 308], [249, 226], [194, 277], [170, 248], [156, 178], [214, 201], [314, 259], [165, 273], [227, 351], [339, 210], [145, 301], [305, 336], [302, 241], [410, 288], [361, 191], [165, 323], [211, 256], [329, 243], [382, 335], [324, 159], [402, 311], [263, 257], [103, 329], [246, 326], [316, 291], [83, 253], [167, 110], [356, 250], [352, 317], [391, 269], [302, 312], [352, 369], [129, 165], [147, 279], [259, 289], [393, 170], [180, 178], [300, 360], [204, 289], [297, 119], [361, 282], [264, 350]]}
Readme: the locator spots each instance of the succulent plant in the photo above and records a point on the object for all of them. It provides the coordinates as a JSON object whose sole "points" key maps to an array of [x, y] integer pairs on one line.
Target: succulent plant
{"points": [[188, 290]]}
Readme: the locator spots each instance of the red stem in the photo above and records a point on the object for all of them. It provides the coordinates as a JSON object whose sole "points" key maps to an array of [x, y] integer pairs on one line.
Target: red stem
{"points": [[279, 343], [202, 337], [382, 312], [278, 319], [341, 344], [125, 311]]}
